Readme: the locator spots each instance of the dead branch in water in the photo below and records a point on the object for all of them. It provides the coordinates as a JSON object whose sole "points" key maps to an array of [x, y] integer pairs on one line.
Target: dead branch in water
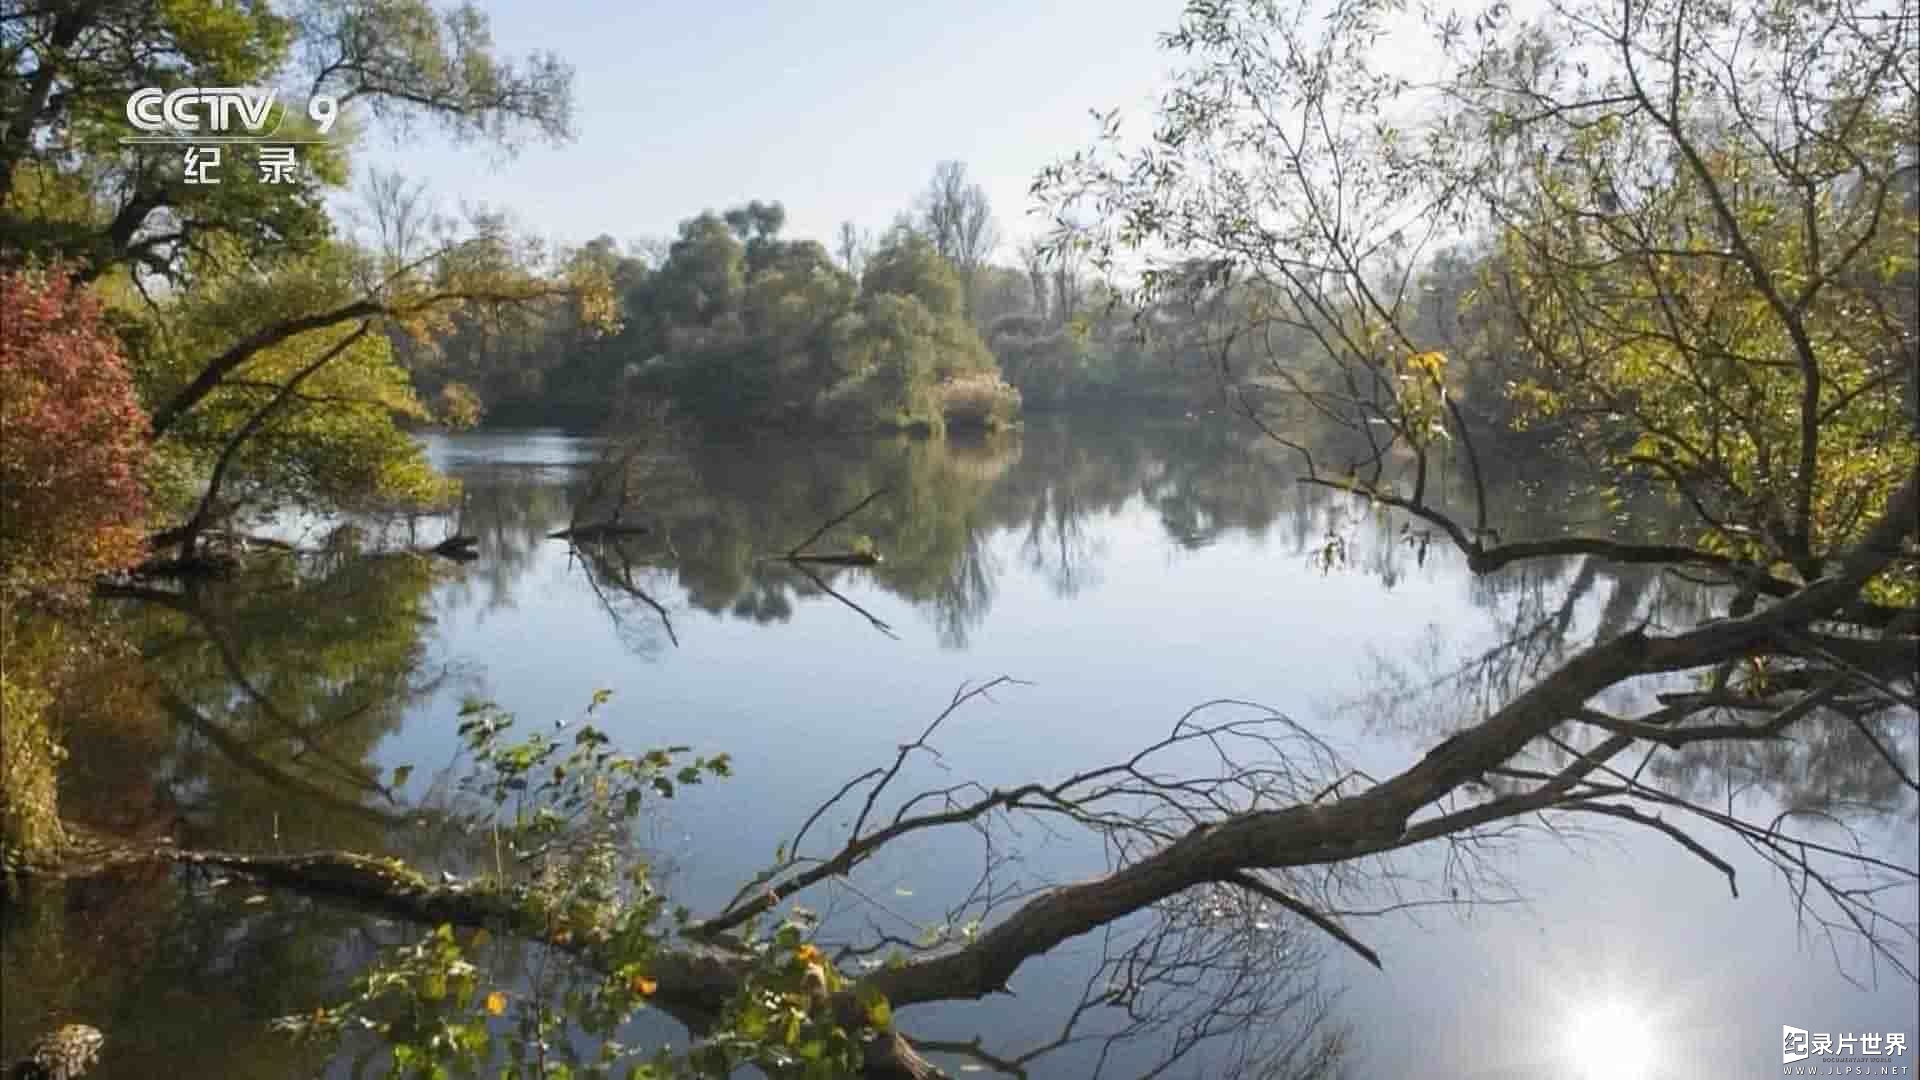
{"points": [[797, 549]]}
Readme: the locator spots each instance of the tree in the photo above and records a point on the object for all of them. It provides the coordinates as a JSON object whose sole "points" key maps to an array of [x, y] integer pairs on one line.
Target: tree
{"points": [[1000, 292], [851, 245], [263, 298], [740, 326], [1033, 260], [71, 500], [758, 226], [957, 218], [69, 186], [705, 274], [302, 349], [1741, 275], [911, 265], [1702, 260], [400, 215], [71, 507]]}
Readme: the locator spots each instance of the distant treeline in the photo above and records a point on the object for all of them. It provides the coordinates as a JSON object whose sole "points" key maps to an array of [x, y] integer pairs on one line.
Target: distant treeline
{"points": [[735, 325]]}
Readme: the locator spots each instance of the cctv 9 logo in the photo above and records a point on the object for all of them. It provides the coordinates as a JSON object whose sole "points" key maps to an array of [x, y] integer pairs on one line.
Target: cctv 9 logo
{"points": [[220, 110]]}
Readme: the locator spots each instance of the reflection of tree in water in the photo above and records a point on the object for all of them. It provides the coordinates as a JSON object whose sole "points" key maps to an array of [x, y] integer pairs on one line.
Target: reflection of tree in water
{"points": [[1844, 773], [279, 685], [1201, 479], [716, 514], [248, 722], [262, 699], [1531, 624], [717, 517], [625, 579], [1211, 984], [964, 598], [150, 958], [1851, 761], [510, 509]]}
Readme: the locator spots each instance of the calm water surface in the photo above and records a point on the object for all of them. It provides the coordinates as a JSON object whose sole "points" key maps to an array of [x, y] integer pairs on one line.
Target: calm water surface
{"points": [[1124, 573]]}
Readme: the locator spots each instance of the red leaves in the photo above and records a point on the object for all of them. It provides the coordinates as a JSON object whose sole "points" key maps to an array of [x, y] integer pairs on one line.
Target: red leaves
{"points": [[72, 437]]}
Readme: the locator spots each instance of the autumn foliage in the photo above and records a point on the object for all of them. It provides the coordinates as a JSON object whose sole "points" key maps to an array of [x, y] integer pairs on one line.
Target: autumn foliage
{"points": [[72, 438]]}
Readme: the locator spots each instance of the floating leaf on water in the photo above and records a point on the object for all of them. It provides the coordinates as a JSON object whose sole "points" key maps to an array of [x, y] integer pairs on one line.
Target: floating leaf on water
{"points": [[496, 1003]]}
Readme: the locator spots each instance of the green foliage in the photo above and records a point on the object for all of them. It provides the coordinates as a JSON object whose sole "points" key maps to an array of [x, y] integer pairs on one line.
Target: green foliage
{"points": [[738, 326], [70, 187], [1682, 351], [782, 1019], [1702, 301], [561, 806], [458, 407], [50, 655], [253, 394], [1100, 362], [30, 826], [907, 264], [289, 673], [333, 444]]}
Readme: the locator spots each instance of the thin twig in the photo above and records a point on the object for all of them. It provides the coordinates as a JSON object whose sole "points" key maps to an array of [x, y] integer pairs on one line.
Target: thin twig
{"points": [[822, 530]]}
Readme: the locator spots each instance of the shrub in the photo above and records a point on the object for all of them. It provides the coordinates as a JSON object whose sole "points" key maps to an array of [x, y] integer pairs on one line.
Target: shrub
{"points": [[978, 401], [71, 500]]}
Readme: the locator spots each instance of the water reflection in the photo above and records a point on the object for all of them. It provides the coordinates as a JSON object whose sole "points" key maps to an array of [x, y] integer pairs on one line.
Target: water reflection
{"points": [[719, 515], [278, 687], [1132, 570]]}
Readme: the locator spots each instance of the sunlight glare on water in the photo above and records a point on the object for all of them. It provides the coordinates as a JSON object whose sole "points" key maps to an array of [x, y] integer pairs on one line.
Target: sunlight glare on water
{"points": [[1609, 1037]]}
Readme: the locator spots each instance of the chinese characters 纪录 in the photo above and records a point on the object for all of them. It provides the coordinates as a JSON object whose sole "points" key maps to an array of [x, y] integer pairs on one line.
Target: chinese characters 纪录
{"points": [[276, 164]]}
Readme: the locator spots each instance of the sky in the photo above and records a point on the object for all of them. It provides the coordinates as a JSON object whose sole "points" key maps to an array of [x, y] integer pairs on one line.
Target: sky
{"points": [[838, 111]]}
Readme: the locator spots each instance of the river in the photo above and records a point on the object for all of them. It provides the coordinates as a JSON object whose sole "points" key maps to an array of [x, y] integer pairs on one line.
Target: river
{"points": [[1123, 572]]}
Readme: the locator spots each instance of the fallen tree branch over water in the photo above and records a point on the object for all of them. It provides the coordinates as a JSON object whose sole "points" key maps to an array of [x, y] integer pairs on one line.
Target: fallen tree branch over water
{"points": [[696, 979]]}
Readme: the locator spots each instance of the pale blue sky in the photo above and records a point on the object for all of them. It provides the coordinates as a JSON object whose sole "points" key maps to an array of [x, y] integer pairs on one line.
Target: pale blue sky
{"points": [[838, 111]]}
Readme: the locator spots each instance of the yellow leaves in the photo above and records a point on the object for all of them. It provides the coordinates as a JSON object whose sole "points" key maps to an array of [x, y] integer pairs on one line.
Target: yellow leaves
{"points": [[874, 1006], [635, 979], [816, 971], [496, 1003], [1430, 364], [1658, 339], [596, 303]]}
